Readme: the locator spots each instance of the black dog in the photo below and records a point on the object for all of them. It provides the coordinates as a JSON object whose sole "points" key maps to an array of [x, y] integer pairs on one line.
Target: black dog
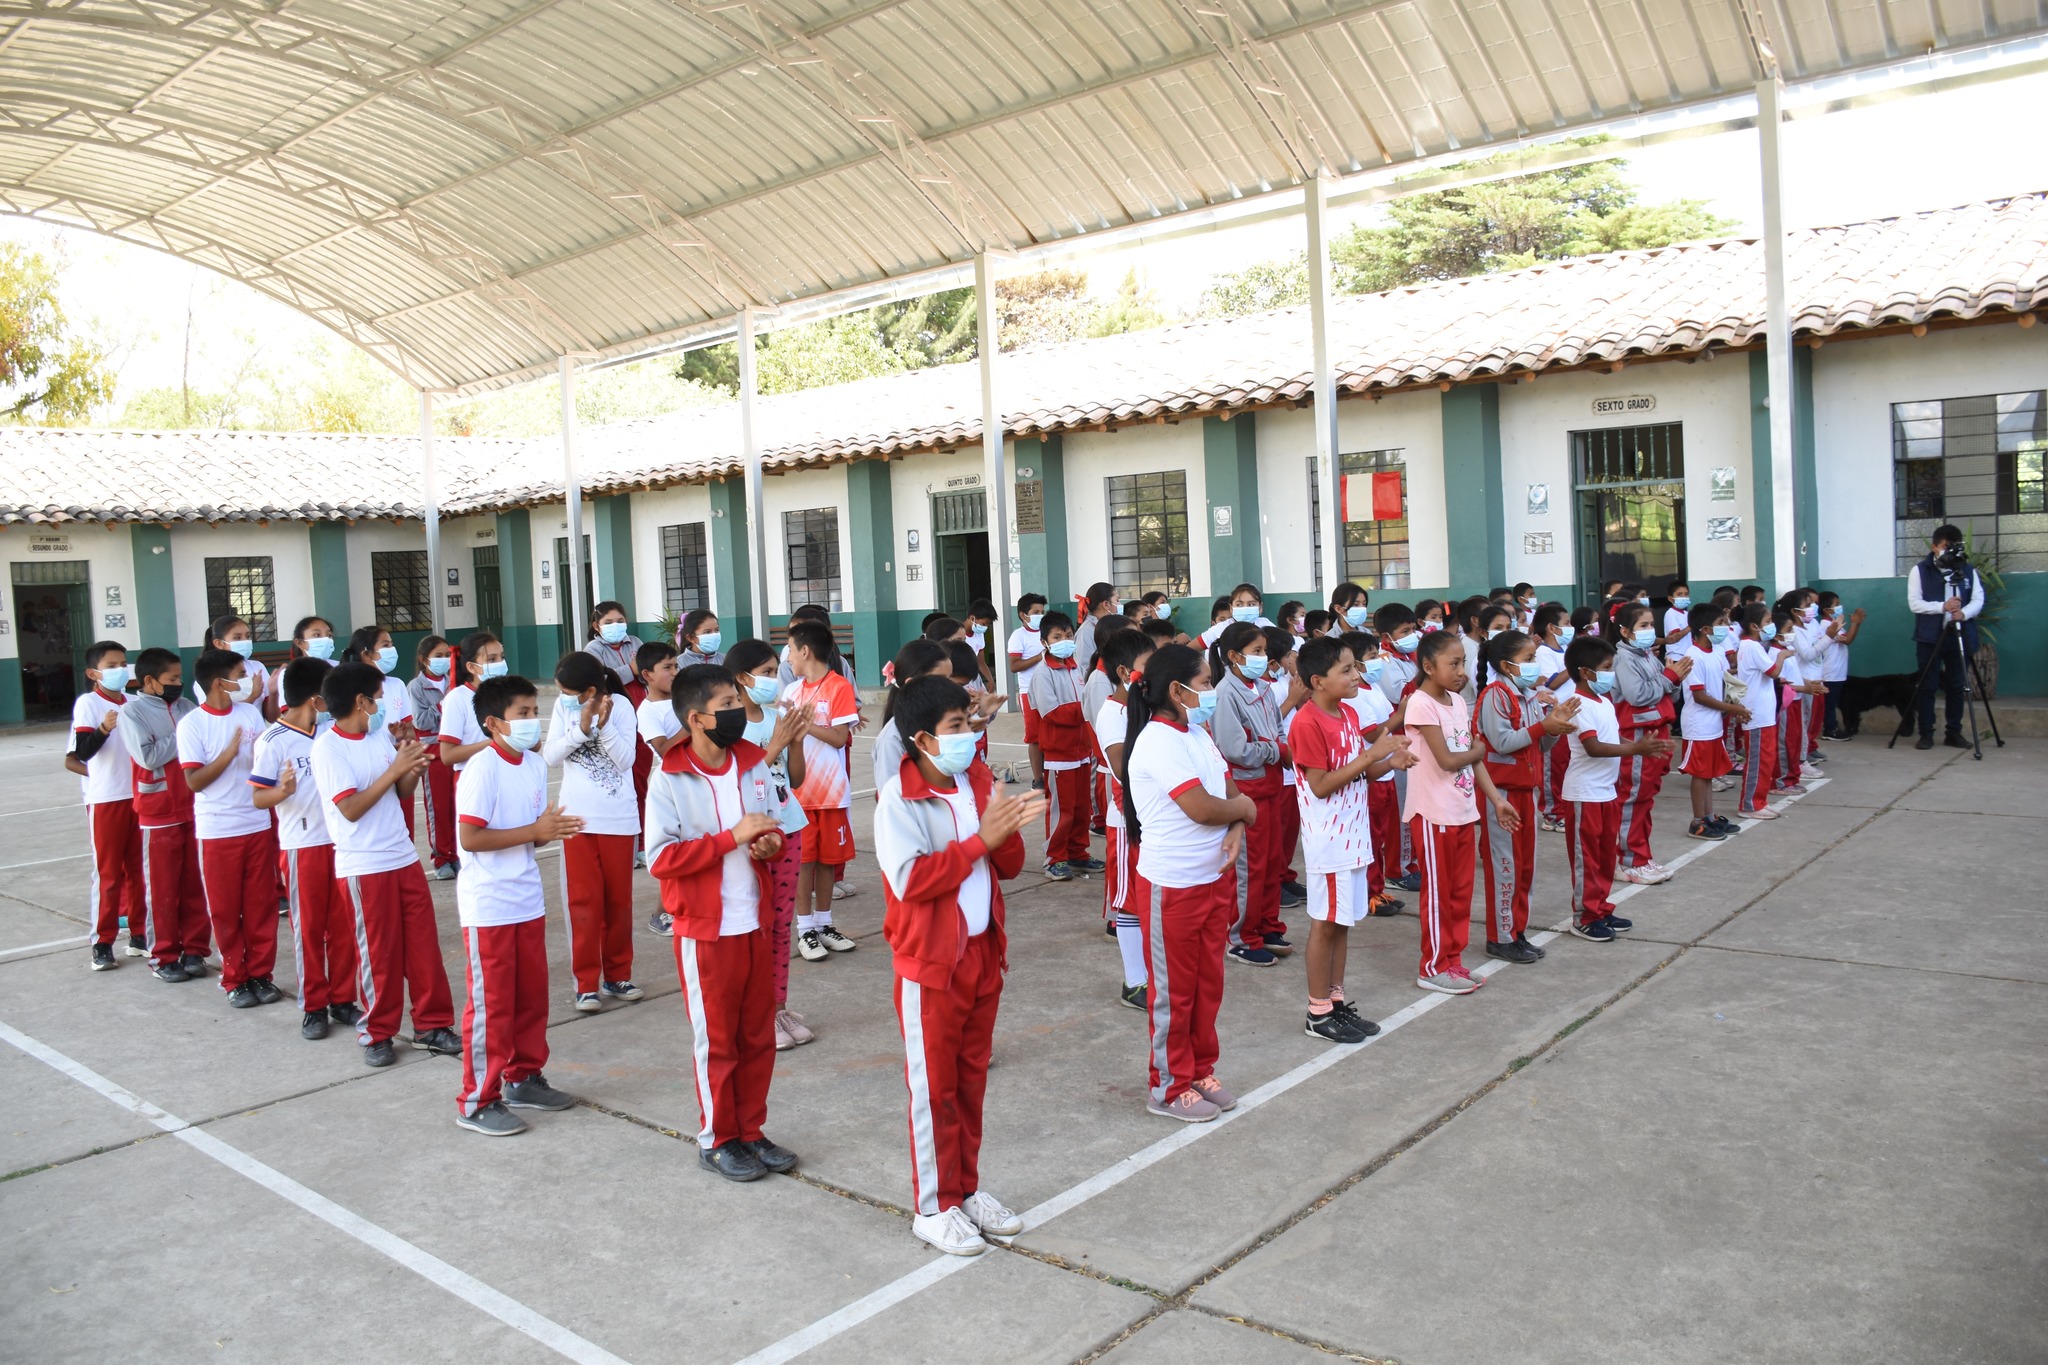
{"points": [[1871, 694]]}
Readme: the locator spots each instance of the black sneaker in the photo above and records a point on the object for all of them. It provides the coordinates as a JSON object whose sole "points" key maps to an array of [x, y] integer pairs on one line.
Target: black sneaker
{"points": [[1411, 882], [243, 997], [1136, 997], [1109, 928], [1724, 824], [1703, 828], [194, 965], [169, 971], [1597, 931], [1359, 1021], [379, 1054], [103, 957], [1277, 943], [136, 947], [535, 1093], [1511, 951], [1523, 939], [1954, 742], [734, 1160], [493, 1120], [266, 990], [661, 922], [776, 1159], [345, 1014], [1618, 924], [1293, 895], [1332, 1028], [313, 1025], [1926, 742], [443, 1042]]}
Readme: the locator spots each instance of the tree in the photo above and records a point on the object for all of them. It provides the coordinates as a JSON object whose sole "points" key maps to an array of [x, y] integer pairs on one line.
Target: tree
{"points": [[49, 374], [1257, 288], [1136, 309]]}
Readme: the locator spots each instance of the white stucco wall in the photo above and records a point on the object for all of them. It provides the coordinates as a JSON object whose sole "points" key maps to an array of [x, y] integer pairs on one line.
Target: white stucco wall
{"points": [[364, 539], [459, 537], [804, 490], [652, 511], [1094, 457], [110, 566], [291, 572], [913, 480]]}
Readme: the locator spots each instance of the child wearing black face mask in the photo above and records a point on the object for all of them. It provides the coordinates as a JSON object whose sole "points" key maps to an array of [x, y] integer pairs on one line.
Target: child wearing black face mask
{"points": [[712, 834]]}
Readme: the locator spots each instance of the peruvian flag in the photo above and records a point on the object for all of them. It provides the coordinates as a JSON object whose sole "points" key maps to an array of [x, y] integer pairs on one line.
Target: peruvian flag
{"points": [[1370, 497]]}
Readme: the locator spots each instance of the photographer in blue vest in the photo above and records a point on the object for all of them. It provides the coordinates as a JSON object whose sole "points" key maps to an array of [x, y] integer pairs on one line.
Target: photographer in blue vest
{"points": [[1944, 591]]}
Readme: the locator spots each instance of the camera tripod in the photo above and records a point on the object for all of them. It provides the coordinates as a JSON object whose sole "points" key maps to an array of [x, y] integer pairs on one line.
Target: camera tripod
{"points": [[1953, 630]]}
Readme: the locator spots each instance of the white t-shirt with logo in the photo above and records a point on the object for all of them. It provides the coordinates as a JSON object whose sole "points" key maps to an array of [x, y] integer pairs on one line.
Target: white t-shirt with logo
{"points": [[300, 821], [344, 764], [225, 809], [1753, 661], [976, 892], [1336, 833], [458, 720], [1589, 778], [1169, 759], [108, 774], [1111, 724], [500, 885], [1709, 674], [739, 894]]}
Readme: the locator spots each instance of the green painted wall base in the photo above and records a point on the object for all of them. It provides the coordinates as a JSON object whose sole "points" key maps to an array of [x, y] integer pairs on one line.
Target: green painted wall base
{"points": [[13, 709], [1885, 645]]}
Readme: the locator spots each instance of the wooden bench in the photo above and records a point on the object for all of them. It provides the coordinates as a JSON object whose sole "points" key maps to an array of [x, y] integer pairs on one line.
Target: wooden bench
{"points": [[842, 637]]}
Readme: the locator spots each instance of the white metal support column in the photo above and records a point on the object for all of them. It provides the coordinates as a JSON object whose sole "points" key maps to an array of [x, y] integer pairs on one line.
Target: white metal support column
{"points": [[995, 466], [569, 596], [750, 447], [430, 499], [1780, 558], [1315, 197]]}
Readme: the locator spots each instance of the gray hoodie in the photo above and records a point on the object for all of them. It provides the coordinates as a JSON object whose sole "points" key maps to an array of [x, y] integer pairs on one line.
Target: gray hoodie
{"points": [[150, 730], [1246, 728], [1640, 687]]}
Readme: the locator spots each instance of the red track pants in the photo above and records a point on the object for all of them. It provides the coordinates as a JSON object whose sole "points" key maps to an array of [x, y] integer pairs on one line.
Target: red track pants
{"points": [[1642, 777], [1591, 829], [1791, 754], [323, 934], [1383, 814], [784, 873], [1066, 814], [505, 1023], [1123, 889], [1259, 868], [1290, 833], [947, 1038], [729, 989], [1556, 758], [240, 878], [1509, 859], [439, 793], [1446, 854], [398, 948], [174, 900], [597, 889], [117, 886], [1185, 930], [1759, 767]]}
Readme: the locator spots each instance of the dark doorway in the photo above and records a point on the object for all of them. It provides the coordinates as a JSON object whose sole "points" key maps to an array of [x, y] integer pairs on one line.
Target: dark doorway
{"points": [[53, 618], [490, 595], [960, 528], [574, 632], [1630, 494]]}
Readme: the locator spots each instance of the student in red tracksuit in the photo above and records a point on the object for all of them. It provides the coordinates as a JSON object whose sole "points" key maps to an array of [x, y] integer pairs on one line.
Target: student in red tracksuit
{"points": [[428, 689], [1514, 760], [364, 779], [1055, 698], [1592, 809], [1123, 657], [712, 835], [502, 814], [1188, 822], [1290, 694], [1248, 735], [237, 851], [591, 736], [95, 752], [174, 902], [1643, 688], [323, 931], [945, 840], [1758, 665]]}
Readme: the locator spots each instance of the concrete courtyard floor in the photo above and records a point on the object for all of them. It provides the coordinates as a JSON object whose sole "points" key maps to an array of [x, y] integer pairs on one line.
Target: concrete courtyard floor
{"points": [[1797, 1115]]}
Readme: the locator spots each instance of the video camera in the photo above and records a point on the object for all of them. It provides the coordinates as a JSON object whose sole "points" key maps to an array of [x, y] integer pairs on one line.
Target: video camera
{"points": [[1953, 559]]}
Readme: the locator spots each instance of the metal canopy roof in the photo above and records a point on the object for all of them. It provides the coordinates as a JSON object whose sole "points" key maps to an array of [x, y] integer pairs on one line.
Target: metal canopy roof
{"points": [[469, 190]]}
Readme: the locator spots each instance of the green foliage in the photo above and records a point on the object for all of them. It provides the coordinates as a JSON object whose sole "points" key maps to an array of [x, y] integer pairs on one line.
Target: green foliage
{"points": [[1257, 288], [644, 388], [1136, 309], [1989, 573], [49, 374]]}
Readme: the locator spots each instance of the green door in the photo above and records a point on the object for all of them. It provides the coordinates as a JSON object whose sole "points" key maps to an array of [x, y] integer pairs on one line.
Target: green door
{"points": [[959, 525], [1629, 491], [53, 624], [490, 597], [573, 632]]}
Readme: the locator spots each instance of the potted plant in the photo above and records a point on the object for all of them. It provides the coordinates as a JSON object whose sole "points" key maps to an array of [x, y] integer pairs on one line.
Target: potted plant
{"points": [[1993, 583]]}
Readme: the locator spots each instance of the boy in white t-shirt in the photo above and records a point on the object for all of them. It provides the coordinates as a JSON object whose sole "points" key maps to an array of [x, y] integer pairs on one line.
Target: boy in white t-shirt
{"points": [[1383, 794], [501, 815], [323, 935], [1027, 652], [1757, 665], [237, 854], [1592, 810], [97, 754], [362, 779], [1702, 723], [591, 737]]}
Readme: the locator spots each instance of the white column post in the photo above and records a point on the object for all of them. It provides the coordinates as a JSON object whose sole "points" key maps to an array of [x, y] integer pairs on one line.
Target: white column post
{"points": [[1315, 196], [430, 498], [750, 447], [996, 469], [1780, 558], [569, 596]]}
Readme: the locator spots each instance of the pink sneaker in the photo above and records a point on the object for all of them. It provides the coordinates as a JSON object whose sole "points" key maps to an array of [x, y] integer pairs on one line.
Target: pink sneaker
{"points": [[790, 1023], [1213, 1091]]}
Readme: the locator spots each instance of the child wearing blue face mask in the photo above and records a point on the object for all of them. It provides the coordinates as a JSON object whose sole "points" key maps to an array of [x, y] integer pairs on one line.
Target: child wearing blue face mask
{"points": [[945, 838], [1592, 809], [1513, 732], [480, 658], [1553, 631], [1063, 740], [699, 640], [592, 737], [1247, 732], [612, 642], [433, 673], [1400, 642], [1757, 667], [1383, 794], [779, 736], [372, 645], [234, 634], [1703, 722], [1644, 688]]}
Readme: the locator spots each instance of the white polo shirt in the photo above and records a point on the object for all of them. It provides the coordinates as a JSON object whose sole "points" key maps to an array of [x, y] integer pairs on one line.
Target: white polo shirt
{"points": [[224, 810], [344, 764], [501, 886], [300, 821], [108, 774], [1589, 778], [1760, 695], [1169, 759], [458, 720]]}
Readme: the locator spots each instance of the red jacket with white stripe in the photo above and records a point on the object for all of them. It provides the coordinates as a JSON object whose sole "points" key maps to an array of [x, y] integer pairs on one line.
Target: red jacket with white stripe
{"points": [[688, 836], [923, 866]]}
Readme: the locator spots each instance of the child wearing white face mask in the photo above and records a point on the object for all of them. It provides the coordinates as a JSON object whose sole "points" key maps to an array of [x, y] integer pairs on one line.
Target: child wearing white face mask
{"points": [[591, 737], [779, 736], [234, 635], [237, 852], [1247, 732], [431, 679]]}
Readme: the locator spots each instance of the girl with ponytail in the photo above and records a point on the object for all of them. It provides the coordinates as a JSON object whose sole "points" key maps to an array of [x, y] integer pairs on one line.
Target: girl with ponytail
{"points": [[1514, 731], [1188, 820]]}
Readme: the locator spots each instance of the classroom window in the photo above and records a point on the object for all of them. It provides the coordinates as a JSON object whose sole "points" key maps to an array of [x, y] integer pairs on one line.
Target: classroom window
{"points": [[242, 585], [1148, 533], [811, 541], [685, 568], [402, 590], [1375, 549], [1978, 463]]}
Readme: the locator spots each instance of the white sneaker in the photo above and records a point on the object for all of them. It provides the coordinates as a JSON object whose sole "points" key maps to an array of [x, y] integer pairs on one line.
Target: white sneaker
{"points": [[444, 873], [810, 947], [1448, 983], [1724, 784], [951, 1232], [1657, 870], [1639, 876], [834, 940], [986, 1212], [841, 890]]}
